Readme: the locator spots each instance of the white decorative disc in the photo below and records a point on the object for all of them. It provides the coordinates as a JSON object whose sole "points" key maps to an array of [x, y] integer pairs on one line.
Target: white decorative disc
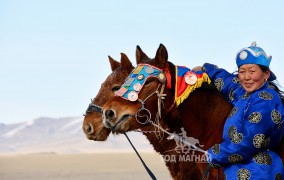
{"points": [[132, 96], [137, 86], [162, 77], [243, 55], [190, 78]]}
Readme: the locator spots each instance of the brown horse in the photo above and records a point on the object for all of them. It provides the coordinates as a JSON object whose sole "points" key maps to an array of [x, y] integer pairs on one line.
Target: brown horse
{"points": [[202, 114], [93, 125], [193, 114]]}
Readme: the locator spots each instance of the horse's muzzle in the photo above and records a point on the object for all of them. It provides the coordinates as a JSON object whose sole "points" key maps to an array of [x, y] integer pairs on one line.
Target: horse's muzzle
{"points": [[113, 122]]}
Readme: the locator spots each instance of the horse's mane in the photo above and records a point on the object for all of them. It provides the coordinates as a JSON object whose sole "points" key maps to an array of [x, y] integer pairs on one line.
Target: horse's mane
{"points": [[172, 69]]}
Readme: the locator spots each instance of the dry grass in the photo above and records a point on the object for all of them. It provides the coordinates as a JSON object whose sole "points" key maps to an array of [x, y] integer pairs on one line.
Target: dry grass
{"points": [[80, 166]]}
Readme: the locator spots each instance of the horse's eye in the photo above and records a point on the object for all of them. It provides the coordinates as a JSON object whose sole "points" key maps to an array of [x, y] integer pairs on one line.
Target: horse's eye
{"points": [[115, 88]]}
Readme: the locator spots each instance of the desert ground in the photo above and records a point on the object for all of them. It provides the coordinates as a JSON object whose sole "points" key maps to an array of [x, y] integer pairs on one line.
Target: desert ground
{"points": [[105, 166]]}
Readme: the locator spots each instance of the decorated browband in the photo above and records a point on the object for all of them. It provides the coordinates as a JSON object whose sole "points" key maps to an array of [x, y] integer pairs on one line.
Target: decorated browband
{"points": [[136, 80]]}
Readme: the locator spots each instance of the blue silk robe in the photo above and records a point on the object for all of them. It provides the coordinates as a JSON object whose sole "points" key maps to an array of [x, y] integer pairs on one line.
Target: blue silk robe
{"points": [[252, 129]]}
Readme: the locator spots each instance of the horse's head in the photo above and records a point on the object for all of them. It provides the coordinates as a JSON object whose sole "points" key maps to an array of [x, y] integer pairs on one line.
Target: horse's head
{"points": [[93, 124], [141, 98]]}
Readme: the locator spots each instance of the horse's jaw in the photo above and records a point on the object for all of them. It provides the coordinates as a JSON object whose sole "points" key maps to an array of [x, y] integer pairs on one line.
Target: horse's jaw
{"points": [[101, 135]]}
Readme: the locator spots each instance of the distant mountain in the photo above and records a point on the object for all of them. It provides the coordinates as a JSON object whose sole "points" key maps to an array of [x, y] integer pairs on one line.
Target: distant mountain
{"points": [[61, 135]]}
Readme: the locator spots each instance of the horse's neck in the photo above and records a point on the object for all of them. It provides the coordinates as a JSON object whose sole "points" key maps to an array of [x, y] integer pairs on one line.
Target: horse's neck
{"points": [[203, 115], [158, 139]]}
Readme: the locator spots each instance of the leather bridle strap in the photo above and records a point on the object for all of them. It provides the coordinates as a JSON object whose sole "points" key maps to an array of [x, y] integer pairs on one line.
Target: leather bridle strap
{"points": [[207, 172]]}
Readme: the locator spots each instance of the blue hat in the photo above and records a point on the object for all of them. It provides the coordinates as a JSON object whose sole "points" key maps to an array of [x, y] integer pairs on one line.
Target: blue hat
{"points": [[254, 55]]}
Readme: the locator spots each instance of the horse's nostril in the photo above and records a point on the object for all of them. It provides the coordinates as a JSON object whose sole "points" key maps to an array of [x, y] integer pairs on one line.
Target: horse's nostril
{"points": [[109, 114], [88, 128]]}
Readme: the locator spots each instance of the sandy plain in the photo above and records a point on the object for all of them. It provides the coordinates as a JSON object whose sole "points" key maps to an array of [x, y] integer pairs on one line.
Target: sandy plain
{"points": [[106, 166]]}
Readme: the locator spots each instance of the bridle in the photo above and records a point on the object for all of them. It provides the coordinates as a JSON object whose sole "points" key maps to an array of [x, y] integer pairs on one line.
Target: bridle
{"points": [[159, 131], [94, 108], [139, 113], [130, 92], [160, 96]]}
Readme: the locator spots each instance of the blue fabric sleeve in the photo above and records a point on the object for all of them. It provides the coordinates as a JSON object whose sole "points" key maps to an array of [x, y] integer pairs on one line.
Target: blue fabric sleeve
{"points": [[224, 81]]}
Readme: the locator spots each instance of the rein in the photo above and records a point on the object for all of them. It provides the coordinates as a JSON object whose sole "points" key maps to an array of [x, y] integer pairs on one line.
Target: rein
{"points": [[145, 166]]}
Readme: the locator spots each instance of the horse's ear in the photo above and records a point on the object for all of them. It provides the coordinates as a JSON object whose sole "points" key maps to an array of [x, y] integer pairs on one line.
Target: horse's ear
{"points": [[140, 55], [126, 63], [113, 63], [161, 56]]}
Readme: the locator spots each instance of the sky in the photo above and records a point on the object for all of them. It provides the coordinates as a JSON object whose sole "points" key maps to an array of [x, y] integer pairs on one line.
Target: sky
{"points": [[54, 53]]}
